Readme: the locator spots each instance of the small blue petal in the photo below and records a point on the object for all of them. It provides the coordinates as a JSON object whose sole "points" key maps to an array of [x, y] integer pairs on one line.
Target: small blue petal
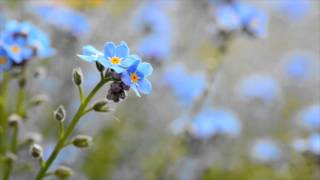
{"points": [[109, 49], [122, 50], [134, 88], [125, 77], [145, 86], [145, 68]]}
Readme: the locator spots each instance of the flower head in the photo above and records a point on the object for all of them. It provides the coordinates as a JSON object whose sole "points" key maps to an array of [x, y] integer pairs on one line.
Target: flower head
{"points": [[310, 117], [227, 18], [294, 9], [314, 143], [5, 62], [265, 151], [299, 65], [135, 77]]}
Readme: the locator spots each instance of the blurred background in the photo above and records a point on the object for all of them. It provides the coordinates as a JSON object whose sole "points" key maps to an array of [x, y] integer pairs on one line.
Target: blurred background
{"points": [[228, 102]]}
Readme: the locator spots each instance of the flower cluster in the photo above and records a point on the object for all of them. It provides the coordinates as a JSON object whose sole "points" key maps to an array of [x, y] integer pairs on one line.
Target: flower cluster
{"points": [[21, 42], [236, 16], [127, 71]]}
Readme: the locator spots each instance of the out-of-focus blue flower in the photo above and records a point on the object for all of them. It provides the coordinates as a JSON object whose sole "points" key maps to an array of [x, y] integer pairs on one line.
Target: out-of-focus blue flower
{"points": [[314, 143], [114, 57], [153, 18], [155, 47], [260, 87], [299, 65], [23, 41], [299, 145], [63, 18], [185, 86], [310, 117], [265, 151], [294, 9], [255, 21], [5, 62], [135, 77], [211, 122], [227, 18]]}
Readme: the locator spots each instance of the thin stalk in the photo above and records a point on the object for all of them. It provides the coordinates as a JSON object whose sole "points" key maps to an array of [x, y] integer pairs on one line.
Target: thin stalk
{"points": [[3, 110], [61, 142]]}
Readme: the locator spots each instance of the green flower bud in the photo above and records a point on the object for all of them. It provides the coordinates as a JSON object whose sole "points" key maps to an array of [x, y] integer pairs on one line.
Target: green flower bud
{"points": [[100, 67], [63, 172], [101, 106], [77, 76], [14, 120], [9, 158], [36, 151], [39, 99], [81, 141], [60, 114]]}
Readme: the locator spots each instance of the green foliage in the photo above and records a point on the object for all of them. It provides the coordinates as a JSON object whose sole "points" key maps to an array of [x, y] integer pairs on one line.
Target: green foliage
{"points": [[102, 159]]}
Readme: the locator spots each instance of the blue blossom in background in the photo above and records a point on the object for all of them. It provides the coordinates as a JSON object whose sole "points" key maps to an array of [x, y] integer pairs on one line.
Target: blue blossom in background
{"points": [[265, 151], [294, 9], [185, 85], [254, 21], [211, 122], [155, 48], [136, 77], [227, 18], [63, 18], [91, 54], [310, 117], [23, 41], [299, 65], [5, 62], [260, 87], [314, 143], [299, 145]]}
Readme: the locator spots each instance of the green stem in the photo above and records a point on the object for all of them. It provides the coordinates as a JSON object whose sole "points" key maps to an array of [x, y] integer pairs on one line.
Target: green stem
{"points": [[61, 142], [14, 142], [8, 170], [20, 102], [3, 110], [81, 94]]}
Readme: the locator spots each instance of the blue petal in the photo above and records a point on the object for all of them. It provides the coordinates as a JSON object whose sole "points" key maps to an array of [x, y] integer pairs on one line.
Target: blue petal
{"points": [[87, 58], [90, 50], [126, 62], [134, 88], [117, 69], [122, 50], [145, 68], [145, 86], [125, 77], [104, 62], [109, 49]]}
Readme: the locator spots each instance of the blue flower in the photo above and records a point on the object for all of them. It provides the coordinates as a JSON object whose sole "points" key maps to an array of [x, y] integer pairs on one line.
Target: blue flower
{"points": [[155, 48], [211, 122], [254, 21], [113, 57], [265, 151], [261, 87], [5, 62], [299, 65], [135, 77], [23, 41], [185, 85], [63, 18], [294, 9], [310, 117], [314, 143], [227, 18]]}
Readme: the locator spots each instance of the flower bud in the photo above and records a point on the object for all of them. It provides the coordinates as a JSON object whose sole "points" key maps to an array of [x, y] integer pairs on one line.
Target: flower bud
{"points": [[39, 99], [59, 114], [14, 120], [77, 76], [100, 67], [63, 172], [9, 158], [81, 141], [36, 151], [101, 106]]}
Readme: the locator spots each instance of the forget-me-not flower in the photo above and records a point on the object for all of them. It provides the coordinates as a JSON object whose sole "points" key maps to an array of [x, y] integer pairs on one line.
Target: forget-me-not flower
{"points": [[265, 151], [310, 117], [227, 18], [314, 143], [136, 76], [294, 9], [299, 65], [5, 62]]}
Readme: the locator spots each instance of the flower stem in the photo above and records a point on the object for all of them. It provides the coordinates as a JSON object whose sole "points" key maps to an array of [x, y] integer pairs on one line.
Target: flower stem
{"points": [[61, 142], [3, 111]]}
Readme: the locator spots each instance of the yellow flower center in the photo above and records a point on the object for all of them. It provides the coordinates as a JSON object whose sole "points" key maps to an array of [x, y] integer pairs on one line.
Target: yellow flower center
{"points": [[3, 60], [15, 49], [134, 77], [115, 60], [255, 23]]}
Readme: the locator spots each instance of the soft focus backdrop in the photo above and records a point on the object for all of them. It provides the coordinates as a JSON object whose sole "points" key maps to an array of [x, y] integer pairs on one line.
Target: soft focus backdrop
{"points": [[247, 111]]}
